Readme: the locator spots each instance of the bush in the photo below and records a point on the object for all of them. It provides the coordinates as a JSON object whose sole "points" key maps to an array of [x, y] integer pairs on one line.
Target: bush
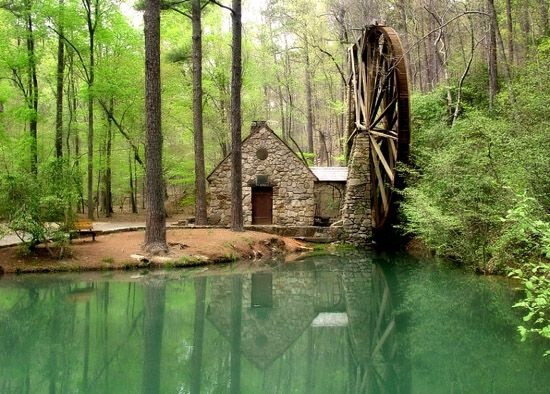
{"points": [[39, 209]]}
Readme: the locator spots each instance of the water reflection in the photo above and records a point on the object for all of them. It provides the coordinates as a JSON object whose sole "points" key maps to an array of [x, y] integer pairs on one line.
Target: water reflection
{"points": [[324, 325]]}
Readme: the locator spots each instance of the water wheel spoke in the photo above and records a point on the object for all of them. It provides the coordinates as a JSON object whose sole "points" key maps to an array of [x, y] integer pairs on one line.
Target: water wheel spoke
{"points": [[393, 149], [388, 108], [382, 159], [382, 135], [383, 338], [387, 131], [379, 98], [380, 186], [355, 83]]}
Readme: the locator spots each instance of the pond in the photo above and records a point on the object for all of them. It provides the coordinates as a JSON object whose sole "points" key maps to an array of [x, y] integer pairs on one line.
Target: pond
{"points": [[348, 323]]}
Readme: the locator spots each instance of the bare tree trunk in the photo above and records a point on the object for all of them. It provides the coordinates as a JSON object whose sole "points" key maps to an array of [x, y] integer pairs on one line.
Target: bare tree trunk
{"points": [[510, 27], [91, 22], [32, 88], [200, 176], [526, 26], [236, 154], [155, 228], [309, 104], [108, 169], [59, 93], [543, 6], [133, 202], [492, 57]]}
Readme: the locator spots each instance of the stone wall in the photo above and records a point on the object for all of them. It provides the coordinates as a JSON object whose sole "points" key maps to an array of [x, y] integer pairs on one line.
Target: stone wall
{"points": [[292, 182], [356, 211], [329, 199]]}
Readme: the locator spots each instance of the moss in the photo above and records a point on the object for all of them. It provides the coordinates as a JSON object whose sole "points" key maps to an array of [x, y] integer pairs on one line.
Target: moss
{"points": [[108, 260]]}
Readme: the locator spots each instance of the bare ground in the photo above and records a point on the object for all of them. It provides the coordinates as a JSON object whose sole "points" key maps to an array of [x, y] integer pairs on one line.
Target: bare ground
{"points": [[188, 247]]}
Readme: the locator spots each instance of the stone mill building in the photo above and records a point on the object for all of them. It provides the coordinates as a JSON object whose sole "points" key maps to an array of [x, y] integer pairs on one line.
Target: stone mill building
{"points": [[278, 186]]}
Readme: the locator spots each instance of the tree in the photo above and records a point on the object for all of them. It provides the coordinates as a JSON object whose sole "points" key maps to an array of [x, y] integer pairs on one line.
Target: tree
{"points": [[59, 87], [492, 56], [92, 18], [200, 176], [236, 154], [155, 228]]}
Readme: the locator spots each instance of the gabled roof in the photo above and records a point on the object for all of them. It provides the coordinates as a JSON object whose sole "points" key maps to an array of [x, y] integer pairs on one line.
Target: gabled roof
{"points": [[330, 174], [255, 129]]}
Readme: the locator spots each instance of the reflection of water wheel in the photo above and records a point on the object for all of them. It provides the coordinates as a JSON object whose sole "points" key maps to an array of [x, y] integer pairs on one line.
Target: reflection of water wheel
{"points": [[371, 330], [379, 106]]}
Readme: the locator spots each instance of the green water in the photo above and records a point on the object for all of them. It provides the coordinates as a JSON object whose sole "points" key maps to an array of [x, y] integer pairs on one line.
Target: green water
{"points": [[323, 325]]}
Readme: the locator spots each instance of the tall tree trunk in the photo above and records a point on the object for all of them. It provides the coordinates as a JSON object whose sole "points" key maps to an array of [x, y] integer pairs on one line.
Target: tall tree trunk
{"points": [[59, 93], [492, 56], [510, 27], [155, 229], [91, 77], [526, 26], [545, 26], [32, 88], [309, 98], [133, 201], [108, 205], [200, 176], [236, 154]]}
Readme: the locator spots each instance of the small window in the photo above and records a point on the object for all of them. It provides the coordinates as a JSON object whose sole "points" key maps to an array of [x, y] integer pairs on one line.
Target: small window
{"points": [[261, 153], [262, 180]]}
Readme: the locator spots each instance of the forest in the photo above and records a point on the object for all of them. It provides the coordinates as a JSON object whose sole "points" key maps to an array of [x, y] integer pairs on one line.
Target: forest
{"points": [[72, 119]]}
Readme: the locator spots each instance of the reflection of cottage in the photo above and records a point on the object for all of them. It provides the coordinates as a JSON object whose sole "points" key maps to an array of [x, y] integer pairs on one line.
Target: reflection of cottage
{"points": [[275, 311], [278, 187]]}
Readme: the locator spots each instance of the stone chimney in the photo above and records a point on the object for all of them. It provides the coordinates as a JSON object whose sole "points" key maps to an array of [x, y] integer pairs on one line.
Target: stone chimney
{"points": [[258, 124]]}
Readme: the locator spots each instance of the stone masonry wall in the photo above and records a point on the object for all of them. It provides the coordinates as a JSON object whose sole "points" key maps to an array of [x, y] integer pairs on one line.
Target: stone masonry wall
{"points": [[356, 212], [292, 182], [329, 197]]}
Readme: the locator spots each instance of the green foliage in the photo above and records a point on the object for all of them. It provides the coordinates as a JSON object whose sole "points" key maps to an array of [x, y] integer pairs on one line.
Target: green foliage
{"points": [[536, 281], [39, 209], [310, 158], [462, 199], [479, 191]]}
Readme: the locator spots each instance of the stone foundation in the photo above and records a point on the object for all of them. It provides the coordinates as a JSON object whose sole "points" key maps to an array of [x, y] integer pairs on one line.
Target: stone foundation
{"points": [[356, 211]]}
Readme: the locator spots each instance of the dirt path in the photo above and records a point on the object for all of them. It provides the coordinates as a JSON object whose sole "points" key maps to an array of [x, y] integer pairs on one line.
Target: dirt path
{"points": [[188, 247]]}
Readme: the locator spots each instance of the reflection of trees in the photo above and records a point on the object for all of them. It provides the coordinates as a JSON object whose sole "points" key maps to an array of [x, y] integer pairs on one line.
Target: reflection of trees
{"points": [[153, 323], [198, 334], [236, 310]]}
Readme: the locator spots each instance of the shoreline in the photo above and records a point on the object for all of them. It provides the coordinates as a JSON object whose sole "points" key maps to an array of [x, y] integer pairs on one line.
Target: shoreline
{"points": [[122, 251]]}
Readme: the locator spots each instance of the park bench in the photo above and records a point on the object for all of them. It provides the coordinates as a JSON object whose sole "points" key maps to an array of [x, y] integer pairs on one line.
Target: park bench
{"points": [[83, 227]]}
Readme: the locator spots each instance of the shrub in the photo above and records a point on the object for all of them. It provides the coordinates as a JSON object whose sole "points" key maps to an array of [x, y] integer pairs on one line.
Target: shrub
{"points": [[39, 209]]}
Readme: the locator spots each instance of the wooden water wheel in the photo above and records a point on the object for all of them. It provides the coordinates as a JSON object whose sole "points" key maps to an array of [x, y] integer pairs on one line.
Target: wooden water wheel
{"points": [[379, 106]]}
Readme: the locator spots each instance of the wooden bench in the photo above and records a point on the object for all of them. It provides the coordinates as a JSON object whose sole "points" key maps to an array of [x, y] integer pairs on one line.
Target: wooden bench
{"points": [[84, 227]]}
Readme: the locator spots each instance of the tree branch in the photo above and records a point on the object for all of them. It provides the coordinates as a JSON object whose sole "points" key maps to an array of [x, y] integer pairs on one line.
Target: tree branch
{"points": [[333, 60], [122, 131], [76, 51], [222, 6], [180, 12]]}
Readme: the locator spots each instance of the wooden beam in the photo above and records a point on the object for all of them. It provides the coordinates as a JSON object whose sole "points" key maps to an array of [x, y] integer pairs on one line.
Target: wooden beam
{"points": [[382, 159]]}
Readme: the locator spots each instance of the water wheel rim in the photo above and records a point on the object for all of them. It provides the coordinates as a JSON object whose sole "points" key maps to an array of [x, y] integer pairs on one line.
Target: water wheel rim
{"points": [[381, 109]]}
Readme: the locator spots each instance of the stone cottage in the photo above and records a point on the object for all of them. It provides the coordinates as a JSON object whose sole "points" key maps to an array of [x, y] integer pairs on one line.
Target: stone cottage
{"points": [[278, 187]]}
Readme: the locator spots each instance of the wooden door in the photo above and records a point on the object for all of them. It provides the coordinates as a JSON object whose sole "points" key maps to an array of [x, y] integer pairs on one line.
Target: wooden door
{"points": [[262, 205]]}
